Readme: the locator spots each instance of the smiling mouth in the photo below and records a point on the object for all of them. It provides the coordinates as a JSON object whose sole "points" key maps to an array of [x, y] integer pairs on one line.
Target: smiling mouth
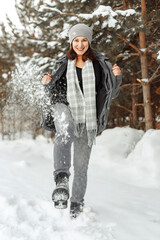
{"points": [[79, 49]]}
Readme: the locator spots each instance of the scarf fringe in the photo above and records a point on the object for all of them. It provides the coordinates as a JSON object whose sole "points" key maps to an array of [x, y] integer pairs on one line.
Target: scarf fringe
{"points": [[78, 129], [92, 137], [91, 134]]}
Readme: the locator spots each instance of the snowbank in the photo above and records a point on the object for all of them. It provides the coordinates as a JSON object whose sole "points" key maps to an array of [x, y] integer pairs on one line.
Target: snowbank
{"points": [[122, 199]]}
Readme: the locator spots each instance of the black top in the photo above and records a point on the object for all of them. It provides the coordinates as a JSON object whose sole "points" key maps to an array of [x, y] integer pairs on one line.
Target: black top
{"points": [[79, 75], [97, 71], [59, 92]]}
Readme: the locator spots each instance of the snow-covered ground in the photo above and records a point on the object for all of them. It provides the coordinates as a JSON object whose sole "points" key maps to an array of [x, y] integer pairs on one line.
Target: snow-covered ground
{"points": [[122, 199]]}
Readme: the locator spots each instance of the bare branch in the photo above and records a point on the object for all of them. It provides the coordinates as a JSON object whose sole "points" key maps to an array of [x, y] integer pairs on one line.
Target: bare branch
{"points": [[139, 80], [152, 21], [129, 84], [139, 104], [127, 55], [154, 76], [128, 110], [130, 44], [151, 46]]}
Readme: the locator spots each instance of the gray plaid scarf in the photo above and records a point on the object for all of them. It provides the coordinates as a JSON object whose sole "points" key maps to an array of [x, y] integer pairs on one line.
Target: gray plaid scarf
{"points": [[83, 107]]}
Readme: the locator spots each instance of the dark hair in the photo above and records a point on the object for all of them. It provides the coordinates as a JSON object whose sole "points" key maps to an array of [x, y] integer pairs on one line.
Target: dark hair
{"points": [[89, 54]]}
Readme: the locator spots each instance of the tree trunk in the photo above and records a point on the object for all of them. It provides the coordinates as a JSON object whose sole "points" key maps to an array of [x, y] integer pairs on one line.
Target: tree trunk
{"points": [[124, 4], [134, 102], [144, 70]]}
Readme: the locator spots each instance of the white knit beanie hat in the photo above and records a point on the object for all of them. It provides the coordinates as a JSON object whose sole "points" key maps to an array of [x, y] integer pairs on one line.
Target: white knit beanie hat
{"points": [[80, 30]]}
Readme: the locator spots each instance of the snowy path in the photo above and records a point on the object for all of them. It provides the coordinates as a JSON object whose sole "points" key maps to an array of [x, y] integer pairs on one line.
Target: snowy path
{"points": [[122, 200]]}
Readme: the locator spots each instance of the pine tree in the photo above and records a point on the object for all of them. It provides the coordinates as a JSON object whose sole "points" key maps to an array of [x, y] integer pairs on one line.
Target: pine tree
{"points": [[44, 37], [7, 62], [145, 44]]}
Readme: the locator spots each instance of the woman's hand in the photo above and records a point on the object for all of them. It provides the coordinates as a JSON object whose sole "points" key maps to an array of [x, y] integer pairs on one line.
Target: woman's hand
{"points": [[116, 70], [46, 79]]}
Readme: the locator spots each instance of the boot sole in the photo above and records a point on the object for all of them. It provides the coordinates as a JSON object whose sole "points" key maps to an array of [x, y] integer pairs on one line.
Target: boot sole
{"points": [[61, 204], [60, 197]]}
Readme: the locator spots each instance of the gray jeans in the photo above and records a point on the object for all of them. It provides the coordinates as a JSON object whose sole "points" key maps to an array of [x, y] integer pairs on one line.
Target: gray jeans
{"points": [[62, 151]]}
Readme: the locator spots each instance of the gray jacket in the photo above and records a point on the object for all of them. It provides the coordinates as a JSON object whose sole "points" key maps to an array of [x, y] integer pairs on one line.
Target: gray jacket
{"points": [[104, 95]]}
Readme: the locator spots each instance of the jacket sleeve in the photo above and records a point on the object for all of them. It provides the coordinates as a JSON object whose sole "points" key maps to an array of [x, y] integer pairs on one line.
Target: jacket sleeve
{"points": [[116, 81], [116, 89], [51, 84]]}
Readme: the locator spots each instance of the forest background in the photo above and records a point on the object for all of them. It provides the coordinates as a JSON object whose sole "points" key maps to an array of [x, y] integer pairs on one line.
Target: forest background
{"points": [[126, 31]]}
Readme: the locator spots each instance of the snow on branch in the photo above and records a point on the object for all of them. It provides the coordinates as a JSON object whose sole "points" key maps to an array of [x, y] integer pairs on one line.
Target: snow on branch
{"points": [[127, 55], [127, 12]]}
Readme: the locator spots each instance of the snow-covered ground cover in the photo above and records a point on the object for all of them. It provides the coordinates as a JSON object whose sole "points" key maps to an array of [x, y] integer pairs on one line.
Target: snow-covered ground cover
{"points": [[122, 199]]}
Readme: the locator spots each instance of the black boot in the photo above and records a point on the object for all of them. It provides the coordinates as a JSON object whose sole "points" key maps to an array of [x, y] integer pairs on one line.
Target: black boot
{"points": [[61, 193], [76, 209]]}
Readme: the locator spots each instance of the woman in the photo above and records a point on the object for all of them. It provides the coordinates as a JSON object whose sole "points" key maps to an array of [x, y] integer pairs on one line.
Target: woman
{"points": [[80, 91]]}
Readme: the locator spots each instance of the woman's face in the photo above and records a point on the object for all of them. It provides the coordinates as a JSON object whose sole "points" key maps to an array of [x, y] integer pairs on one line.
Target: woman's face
{"points": [[80, 45]]}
